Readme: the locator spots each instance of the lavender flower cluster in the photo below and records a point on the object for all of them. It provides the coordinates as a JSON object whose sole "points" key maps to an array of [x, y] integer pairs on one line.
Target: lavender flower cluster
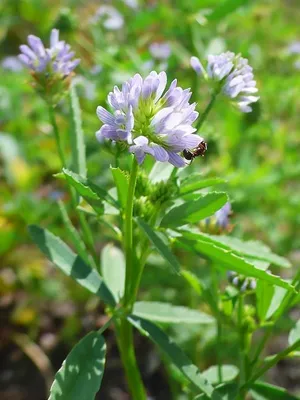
{"points": [[58, 58], [235, 75], [219, 222], [151, 119]]}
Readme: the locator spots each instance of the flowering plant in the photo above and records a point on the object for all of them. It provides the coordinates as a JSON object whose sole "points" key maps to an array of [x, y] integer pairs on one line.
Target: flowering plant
{"points": [[163, 212]]}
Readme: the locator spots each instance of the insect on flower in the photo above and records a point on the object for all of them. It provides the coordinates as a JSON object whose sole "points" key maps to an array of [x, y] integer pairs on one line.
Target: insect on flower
{"points": [[198, 151]]}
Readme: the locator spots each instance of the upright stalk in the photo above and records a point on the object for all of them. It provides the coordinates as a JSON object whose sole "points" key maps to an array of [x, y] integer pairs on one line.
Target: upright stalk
{"points": [[207, 110], [124, 328], [128, 232], [243, 361]]}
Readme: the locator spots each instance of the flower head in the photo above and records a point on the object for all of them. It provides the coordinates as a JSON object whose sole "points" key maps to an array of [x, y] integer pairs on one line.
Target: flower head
{"points": [[160, 51], [151, 119], [233, 76], [109, 16], [50, 66], [57, 59], [12, 64]]}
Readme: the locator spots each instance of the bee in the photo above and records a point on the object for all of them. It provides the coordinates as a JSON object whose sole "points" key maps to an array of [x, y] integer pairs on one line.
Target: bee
{"points": [[198, 151]]}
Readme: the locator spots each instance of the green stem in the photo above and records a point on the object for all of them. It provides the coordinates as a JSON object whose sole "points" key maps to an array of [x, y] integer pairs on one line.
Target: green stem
{"points": [[273, 362], [128, 232], [126, 348], [207, 110], [56, 134], [83, 223]]}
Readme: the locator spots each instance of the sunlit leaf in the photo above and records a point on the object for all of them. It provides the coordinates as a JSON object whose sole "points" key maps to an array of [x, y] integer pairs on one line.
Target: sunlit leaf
{"points": [[70, 263], [121, 182], [81, 373], [264, 294], [176, 355], [294, 335], [195, 210], [229, 372], [196, 182], [113, 269], [167, 313]]}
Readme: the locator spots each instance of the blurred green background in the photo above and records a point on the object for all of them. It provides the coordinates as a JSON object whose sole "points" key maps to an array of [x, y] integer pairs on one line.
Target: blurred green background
{"points": [[43, 313]]}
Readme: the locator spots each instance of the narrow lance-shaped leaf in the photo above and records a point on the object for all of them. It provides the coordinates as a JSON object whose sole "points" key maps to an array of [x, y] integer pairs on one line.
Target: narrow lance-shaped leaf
{"points": [[264, 294], [91, 192], [251, 249], [195, 183], [70, 263], [81, 373], [194, 210], [265, 391], [159, 245], [228, 260], [167, 313], [294, 335], [121, 181], [175, 354], [77, 135], [113, 270]]}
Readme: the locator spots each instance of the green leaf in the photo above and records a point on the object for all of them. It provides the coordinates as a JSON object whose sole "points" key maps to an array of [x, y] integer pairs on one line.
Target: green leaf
{"points": [[159, 245], [250, 249], [195, 183], [195, 210], [74, 235], [113, 270], [226, 7], [70, 263], [121, 182], [91, 192], [160, 172], [276, 302], [175, 354], [229, 372], [228, 260], [81, 373], [77, 136], [167, 313], [264, 294], [265, 391], [294, 335], [227, 391]]}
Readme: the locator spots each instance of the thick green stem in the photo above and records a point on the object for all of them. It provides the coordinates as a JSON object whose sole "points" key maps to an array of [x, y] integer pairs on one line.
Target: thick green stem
{"points": [[242, 345], [207, 110], [125, 343], [128, 232]]}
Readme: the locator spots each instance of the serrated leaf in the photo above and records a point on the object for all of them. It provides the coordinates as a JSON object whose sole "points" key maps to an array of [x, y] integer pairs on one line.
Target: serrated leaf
{"points": [[113, 270], [77, 135], [192, 184], [91, 192], [121, 182], [264, 293], [229, 372], [159, 245], [70, 263], [175, 354], [294, 335], [167, 313], [265, 391], [194, 210], [81, 373], [250, 249], [228, 260]]}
